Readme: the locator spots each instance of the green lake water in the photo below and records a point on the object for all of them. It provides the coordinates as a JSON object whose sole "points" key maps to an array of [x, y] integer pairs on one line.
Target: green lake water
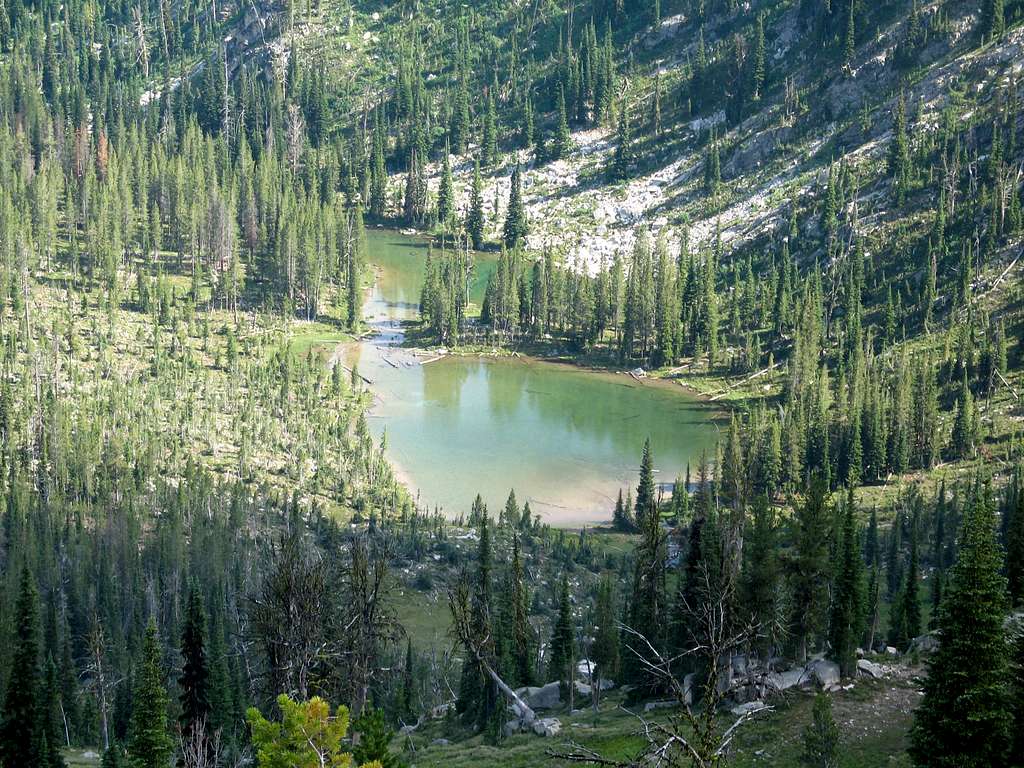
{"points": [[564, 438]]}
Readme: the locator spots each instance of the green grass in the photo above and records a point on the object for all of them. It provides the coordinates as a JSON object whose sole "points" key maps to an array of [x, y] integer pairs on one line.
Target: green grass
{"points": [[873, 720], [78, 757]]}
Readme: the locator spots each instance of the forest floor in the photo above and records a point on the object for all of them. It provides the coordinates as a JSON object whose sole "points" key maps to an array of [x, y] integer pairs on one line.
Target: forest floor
{"points": [[873, 716]]}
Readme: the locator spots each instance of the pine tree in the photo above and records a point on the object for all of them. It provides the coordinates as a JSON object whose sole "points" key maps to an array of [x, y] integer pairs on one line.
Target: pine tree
{"points": [[521, 632], [445, 195], [606, 634], [647, 611], [149, 743], [21, 739], [195, 673], [821, 737], [810, 565], [50, 703], [562, 139], [475, 215], [113, 757], [516, 226], [759, 60], [646, 504], [622, 158], [407, 693], [372, 746], [489, 143], [964, 718], [622, 517], [899, 152], [993, 20], [846, 626], [964, 440], [563, 640]]}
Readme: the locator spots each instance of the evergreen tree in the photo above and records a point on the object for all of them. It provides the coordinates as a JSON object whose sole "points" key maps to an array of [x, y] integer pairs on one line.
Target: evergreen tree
{"points": [[993, 20], [846, 626], [810, 565], [489, 143], [758, 79], [149, 743], [445, 195], [21, 737], [964, 718], [113, 757], [475, 215], [899, 153], [195, 673], [562, 139], [605, 650], [372, 746], [356, 258], [562, 648], [622, 516], [622, 158], [516, 226], [407, 693], [521, 632], [52, 732], [966, 427], [821, 737], [646, 503]]}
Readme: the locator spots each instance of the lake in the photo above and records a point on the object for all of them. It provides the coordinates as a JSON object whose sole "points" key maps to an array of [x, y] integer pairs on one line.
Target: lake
{"points": [[566, 439]]}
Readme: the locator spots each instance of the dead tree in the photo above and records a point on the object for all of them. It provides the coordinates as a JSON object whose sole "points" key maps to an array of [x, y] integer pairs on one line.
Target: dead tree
{"points": [[290, 615], [689, 735], [462, 629], [368, 622]]}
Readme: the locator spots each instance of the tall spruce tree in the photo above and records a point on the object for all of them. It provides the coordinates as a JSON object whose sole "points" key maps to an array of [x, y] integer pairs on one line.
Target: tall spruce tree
{"points": [[516, 226], [846, 626], [21, 739], [194, 682], [562, 648], [964, 719], [475, 214], [149, 742], [646, 503]]}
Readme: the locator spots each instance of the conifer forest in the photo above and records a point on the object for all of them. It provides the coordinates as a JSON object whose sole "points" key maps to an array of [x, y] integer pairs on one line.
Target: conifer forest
{"points": [[416, 383]]}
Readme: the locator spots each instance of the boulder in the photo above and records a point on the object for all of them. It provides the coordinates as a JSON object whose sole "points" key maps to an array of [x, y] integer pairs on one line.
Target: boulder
{"points": [[605, 684], [927, 643], [869, 668], [582, 689], [890, 651], [511, 727], [586, 668], [745, 709], [545, 697], [825, 673], [791, 678], [547, 726]]}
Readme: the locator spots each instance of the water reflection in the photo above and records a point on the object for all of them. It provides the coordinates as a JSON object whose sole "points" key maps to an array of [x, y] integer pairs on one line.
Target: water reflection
{"points": [[565, 439]]}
